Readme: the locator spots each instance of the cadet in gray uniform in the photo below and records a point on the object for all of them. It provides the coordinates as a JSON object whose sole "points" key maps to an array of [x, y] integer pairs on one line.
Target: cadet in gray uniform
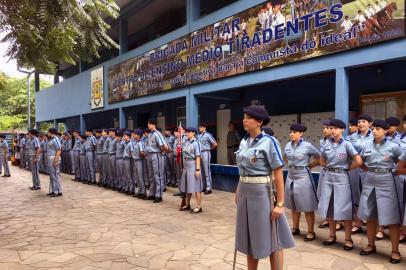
{"points": [[99, 155], [105, 159], [208, 143], [90, 147], [357, 176], [262, 229], [54, 162], [338, 156], [379, 202], [4, 155], [76, 155], [23, 160], [71, 154], [119, 161], [169, 161], [112, 159], [300, 189], [138, 167], [82, 163], [191, 181], [63, 153], [177, 156], [156, 145], [128, 185], [144, 140], [34, 151]]}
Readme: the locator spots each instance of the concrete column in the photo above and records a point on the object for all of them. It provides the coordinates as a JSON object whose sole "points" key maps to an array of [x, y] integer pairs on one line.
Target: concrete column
{"points": [[192, 110], [192, 10], [121, 118], [123, 36], [36, 81], [342, 95], [82, 124], [55, 124]]}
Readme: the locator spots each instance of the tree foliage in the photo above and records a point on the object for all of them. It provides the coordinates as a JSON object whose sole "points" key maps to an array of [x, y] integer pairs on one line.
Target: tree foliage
{"points": [[14, 101], [44, 32]]}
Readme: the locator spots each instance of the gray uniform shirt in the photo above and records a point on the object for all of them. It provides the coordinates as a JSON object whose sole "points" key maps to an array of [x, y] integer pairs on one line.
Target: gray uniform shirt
{"points": [[191, 149], [3, 147], [106, 145], [76, 146], [384, 155], [67, 145], [138, 147], [128, 149], [112, 146], [259, 156], [100, 145], [338, 155], [120, 149], [32, 145], [359, 140], [155, 141], [170, 141], [206, 140], [54, 145], [90, 144], [301, 153], [82, 148]]}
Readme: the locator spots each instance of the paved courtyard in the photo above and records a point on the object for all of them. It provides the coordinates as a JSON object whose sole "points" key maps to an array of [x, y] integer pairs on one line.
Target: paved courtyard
{"points": [[93, 228]]}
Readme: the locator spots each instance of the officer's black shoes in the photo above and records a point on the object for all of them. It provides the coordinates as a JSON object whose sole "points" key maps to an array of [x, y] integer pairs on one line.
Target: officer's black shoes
{"points": [[368, 251], [150, 198], [59, 194], [197, 210], [49, 194], [330, 241], [349, 245], [157, 200], [395, 260], [207, 192], [32, 188], [310, 237], [177, 194], [137, 195], [6, 176], [184, 208], [142, 196]]}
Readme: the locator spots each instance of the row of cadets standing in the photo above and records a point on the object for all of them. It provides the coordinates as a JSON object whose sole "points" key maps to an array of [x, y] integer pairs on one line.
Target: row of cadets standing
{"points": [[66, 156]]}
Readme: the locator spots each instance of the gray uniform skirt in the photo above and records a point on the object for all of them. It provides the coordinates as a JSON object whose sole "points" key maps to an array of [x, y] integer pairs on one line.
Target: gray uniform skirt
{"points": [[336, 199], [320, 183], [256, 235], [300, 191], [189, 182], [380, 199], [355, 179]]}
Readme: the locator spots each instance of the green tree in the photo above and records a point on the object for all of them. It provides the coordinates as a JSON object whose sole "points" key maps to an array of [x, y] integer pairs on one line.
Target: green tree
{"points": [[14, 100], [44, 32]]}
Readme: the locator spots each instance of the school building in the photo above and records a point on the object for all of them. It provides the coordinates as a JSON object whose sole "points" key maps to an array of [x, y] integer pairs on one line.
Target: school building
{"points": [[195, 60]]}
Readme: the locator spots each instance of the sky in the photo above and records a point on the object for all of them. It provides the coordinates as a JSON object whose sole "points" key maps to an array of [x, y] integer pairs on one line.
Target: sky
{"points": [[10, 66]]}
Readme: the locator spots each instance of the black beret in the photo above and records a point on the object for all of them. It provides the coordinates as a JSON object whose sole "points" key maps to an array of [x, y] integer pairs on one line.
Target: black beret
{"points": [[3, 136], [77, 131], [337, 123], [119, 134], [152, 121], [83, 136], [128, 133], [112, 129], [33, 132], [146, 130], [89, 130], [393, 121], [298, 127], [53, 131], [98, 131], [268, 131], [258, 112], [192, 129], [365, 117], [203, 124], [353, 121], [381, 123], [325, 122]]}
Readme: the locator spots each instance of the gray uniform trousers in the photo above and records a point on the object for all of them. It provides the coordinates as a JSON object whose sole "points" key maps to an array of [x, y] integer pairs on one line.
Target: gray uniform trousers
{"points": [[170, 168], [54, 175], [4, 161], [112, 170], [41, 163], [76, 162], [72, 161], [46, 169], [90, 166], [99, 165], [138, 176], [156, 170], [63, 160], [83, 171], [127, 182], [119, 172], [35, 172], [206, 173], [27, 160], [105, 169], [146, 174]]}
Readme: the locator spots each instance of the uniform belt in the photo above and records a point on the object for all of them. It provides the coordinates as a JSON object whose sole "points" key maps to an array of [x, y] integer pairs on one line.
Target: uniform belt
{"points": [[336, 170], [380, 170], [189, 158], [255, 179], [297, 167], [112, 154]]}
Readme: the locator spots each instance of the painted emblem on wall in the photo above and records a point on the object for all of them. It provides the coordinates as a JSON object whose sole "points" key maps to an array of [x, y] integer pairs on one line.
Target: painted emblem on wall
{"points": [[97, 100]]}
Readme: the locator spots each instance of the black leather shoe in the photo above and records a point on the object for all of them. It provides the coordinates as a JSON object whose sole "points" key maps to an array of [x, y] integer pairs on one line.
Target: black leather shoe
{"points": [[53, 195], [32, 188], [157, 200], [58, 195], [37, 188], [49, 194], [207, 192], [150, 198], [177, 194]]}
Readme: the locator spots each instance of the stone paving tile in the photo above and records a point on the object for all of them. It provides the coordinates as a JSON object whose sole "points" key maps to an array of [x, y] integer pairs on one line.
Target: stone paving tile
{"points": [[92, 228]]}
